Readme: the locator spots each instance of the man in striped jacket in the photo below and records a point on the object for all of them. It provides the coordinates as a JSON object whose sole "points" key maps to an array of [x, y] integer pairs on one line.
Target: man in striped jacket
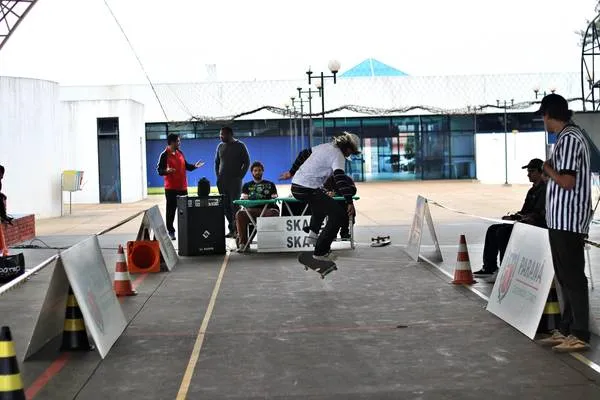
{"points": [[568, 216], [310, 171]]}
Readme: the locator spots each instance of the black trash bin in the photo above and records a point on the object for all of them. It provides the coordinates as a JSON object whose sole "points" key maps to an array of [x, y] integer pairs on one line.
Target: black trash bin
{"points": [[201, 225]]}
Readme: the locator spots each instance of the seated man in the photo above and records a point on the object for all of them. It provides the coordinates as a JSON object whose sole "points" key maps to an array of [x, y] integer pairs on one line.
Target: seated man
{"points": [[533, 213], [256, 189]]}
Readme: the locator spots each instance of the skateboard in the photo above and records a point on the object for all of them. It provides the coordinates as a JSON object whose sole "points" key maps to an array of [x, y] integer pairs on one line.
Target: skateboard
{"points": [[320, 266], [380, 241]]}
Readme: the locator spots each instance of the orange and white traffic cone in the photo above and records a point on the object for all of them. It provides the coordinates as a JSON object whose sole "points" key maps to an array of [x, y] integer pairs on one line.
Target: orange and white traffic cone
{"points": [[462, 271], [122, 283]]}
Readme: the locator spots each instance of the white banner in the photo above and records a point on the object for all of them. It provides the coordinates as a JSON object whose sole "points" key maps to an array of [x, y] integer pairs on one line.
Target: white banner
{"points": [[524, 279], [282, 234], [422, 215], [93, 289]]}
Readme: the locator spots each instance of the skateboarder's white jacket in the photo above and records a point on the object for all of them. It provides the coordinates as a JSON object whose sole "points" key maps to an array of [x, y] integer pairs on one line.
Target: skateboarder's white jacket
{"points": [[314, 166]]}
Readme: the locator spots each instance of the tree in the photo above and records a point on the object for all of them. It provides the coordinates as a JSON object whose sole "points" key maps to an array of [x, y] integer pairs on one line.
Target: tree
{"points": [[581, 33]]}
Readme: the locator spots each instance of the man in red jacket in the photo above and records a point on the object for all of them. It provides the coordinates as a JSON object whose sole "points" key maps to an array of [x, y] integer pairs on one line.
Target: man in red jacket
{"points": [[173, 166]]}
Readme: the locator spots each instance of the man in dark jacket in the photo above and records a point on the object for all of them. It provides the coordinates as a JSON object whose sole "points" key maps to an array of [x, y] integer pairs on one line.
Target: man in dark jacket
{"points": [[533, 212], [173, 166], [231, 164]]}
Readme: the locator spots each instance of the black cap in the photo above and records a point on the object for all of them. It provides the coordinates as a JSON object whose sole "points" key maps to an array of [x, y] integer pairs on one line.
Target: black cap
{"points": [[535, 163], [554, 105]]}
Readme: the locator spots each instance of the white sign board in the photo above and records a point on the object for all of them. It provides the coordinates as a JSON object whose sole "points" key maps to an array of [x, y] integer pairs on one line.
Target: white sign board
{"points": [[93, 289], [153, 221], [422, 214], [524, 279], [282, 234], [50, 320]]}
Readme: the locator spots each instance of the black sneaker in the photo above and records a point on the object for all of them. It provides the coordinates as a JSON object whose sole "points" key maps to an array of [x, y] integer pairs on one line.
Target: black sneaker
{"points": [[483, 273], [172, 235]]}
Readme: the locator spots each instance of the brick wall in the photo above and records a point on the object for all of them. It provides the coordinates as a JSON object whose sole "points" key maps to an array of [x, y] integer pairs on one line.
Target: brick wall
{"points": [[22, 228]]}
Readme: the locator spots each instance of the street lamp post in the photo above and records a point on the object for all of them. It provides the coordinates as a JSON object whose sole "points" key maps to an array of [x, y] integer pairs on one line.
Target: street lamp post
{"points": [[301, 101], [536, 90], [295, 117], [310, 123], [505, 139], [334, 67], [292, 133]]}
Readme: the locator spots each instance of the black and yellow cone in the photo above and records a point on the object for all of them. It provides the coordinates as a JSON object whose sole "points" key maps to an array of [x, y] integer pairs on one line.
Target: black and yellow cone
{"points": [[551, 316], [11, 385], [74, 334]]}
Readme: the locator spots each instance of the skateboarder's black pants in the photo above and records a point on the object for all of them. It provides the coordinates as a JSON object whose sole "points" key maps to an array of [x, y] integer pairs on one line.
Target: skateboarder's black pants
{"points": [[171, 206], [496, 240], [322, 206], [344, 230]]}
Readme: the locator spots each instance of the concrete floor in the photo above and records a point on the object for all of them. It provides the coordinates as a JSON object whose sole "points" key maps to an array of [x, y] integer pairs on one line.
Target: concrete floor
{"points": [[381, 327]]}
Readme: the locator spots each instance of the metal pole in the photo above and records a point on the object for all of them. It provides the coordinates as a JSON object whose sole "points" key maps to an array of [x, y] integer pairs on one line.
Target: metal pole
{"points": [[302, 123], [291, 147], [310, 123], [295, 131], [505, 147], [323, 108]]}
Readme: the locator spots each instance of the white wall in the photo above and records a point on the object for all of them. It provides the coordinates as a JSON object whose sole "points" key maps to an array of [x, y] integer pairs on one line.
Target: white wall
{"points": [[81, 146], [522, 147], [30, 145]]}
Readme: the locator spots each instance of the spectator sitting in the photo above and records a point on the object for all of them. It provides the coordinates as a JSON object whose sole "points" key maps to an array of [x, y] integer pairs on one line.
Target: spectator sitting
{"points": [[533, 213], [256, 189]]}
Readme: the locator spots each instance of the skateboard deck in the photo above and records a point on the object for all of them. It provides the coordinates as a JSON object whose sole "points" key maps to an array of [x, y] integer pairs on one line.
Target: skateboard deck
{"points": [[320, 266], [380, 241]]}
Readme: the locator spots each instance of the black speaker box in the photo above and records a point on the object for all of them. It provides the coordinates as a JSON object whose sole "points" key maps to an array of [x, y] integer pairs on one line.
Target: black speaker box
{"points": [[201, 225]]}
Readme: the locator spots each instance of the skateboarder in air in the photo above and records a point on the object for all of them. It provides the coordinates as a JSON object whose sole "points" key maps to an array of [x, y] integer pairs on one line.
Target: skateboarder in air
{"points": [[309, 172]]}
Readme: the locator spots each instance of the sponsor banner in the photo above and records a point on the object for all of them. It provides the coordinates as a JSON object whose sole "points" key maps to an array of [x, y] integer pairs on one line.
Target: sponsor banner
{"points": [[524, 279], [283, 234], [93, 289]]}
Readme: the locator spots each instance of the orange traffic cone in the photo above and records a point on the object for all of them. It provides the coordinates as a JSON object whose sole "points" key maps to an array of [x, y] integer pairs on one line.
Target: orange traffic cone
{"points": [[122, 283], [462, 271]]}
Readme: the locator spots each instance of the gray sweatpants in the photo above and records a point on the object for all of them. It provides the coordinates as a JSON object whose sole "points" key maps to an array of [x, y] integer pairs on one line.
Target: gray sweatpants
{"points": [[231, 189]]}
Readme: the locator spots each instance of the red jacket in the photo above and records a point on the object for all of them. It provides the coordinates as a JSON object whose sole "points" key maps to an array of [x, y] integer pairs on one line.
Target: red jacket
{"points": [[175, 180]]}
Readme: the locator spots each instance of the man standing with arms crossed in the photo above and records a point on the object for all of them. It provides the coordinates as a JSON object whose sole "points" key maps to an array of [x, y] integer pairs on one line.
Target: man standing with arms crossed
{"points": [[173, 166], [568, 215], [231, 164]]}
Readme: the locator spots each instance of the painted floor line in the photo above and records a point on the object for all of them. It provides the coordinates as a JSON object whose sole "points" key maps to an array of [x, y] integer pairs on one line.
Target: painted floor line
{"points": [[189, 371], [59, 363], [578, 356]]}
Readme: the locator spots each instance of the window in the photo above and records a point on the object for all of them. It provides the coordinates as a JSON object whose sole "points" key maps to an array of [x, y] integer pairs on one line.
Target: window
{"points": [[156, 131]]}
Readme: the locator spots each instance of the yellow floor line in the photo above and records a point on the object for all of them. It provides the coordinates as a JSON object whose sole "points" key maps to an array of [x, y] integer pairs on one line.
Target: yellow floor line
{"points": [[189, 371]]}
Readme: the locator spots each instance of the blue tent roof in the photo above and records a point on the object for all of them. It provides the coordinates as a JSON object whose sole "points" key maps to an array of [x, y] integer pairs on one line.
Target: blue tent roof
{"points": [[372, 67]]}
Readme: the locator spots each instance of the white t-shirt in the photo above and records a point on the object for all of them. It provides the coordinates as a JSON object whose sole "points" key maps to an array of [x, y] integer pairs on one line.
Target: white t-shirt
{"points": [[324, 159]]}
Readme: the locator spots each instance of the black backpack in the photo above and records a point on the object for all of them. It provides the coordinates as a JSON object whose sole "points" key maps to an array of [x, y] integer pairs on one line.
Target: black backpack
{"points": [[203, 187]]}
